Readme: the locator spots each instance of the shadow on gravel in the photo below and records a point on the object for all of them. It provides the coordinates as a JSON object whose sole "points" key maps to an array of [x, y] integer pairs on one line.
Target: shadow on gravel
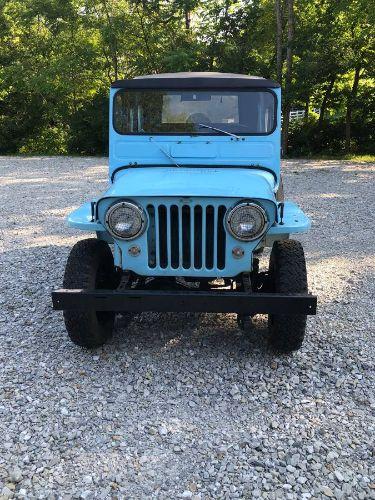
{"points": [[40, 269], [173, 332], [336, 180]]}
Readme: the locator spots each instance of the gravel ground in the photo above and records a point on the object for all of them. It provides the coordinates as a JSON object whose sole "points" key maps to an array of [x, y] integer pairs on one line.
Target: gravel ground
{"points": [[185, 406]]}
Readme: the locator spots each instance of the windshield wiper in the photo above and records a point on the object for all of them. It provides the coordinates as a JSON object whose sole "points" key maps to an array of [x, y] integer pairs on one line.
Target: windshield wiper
{"points": [[165, 152], [219, 130]]}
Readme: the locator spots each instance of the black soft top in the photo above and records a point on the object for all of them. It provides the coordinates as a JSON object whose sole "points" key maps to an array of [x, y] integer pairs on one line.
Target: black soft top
{"points": [[190, 80]]}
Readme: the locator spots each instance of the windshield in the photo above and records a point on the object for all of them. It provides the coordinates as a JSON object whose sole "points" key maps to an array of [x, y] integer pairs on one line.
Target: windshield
{"points": [[194, 112]]}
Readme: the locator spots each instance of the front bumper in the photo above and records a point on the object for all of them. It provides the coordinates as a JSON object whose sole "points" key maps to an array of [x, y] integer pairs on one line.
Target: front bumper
{"points": [[184, 301]]}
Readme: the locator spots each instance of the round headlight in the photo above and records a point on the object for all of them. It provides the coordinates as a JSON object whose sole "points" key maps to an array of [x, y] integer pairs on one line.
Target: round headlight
{"points": [[125, 220], [246, 221]]}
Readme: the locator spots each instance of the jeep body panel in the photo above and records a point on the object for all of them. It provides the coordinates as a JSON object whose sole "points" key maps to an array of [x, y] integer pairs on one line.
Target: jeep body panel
{"points": [[295, 221], [189, 181], [187, 149]]}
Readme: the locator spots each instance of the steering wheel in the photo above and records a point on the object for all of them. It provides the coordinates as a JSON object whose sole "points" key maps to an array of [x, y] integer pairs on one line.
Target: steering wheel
{"points": [[198, 118]]}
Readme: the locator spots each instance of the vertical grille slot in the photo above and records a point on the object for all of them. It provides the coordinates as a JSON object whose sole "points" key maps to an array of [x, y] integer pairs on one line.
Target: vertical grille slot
{"points": [[175, 254], [151, 237], [186, 233], [198, 237], [221, 237], [186, 237], [163, 244], [210, 237]]}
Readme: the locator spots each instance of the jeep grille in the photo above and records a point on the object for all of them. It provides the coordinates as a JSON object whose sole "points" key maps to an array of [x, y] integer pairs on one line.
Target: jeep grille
{"points": [[186, 236]]}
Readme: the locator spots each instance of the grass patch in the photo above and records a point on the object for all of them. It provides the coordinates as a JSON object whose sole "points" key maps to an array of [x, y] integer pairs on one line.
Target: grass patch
{"points": [[351, 157]]}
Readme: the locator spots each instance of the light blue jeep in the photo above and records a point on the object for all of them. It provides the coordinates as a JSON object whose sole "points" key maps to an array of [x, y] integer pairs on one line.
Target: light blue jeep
{"points": [[195, 196]]}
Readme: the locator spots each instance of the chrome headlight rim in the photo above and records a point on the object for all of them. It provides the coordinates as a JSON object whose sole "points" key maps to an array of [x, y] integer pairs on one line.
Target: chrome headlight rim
{"points": [[242, 204], [134, 206]]}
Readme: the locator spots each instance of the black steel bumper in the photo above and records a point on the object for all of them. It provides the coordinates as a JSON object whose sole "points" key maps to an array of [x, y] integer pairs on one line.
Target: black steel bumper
{"points": [[184, 301]]}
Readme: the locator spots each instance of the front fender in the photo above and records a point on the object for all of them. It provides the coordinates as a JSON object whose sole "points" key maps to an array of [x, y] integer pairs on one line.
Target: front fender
{"points": [[294, 221], [81, 218]]}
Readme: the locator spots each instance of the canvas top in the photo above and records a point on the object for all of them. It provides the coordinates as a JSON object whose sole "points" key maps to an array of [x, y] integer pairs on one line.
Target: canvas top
{"points": [[195, 80]]}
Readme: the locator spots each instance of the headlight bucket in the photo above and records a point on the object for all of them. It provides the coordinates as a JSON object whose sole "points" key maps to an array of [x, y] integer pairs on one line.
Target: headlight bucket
{"points": [[125, 220], [246, 221]]}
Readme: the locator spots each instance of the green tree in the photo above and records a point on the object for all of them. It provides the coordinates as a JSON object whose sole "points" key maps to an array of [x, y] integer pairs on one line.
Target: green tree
{"points": [[58, 58]]}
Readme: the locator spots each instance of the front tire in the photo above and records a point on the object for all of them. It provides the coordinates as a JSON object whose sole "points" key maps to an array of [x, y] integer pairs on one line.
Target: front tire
{"points": [[90, 266], [288, 275]]}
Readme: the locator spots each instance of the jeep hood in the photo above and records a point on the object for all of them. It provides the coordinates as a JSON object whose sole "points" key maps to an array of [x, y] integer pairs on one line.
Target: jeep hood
{"points": [[197, 181]]}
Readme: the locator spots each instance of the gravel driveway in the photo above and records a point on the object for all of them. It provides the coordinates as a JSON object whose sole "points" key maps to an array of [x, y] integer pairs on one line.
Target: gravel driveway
{"points": [[185, 406]]}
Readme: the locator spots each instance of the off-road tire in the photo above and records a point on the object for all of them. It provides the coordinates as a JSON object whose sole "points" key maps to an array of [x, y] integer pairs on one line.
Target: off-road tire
{"points": [[90, 266], [288, 275]]}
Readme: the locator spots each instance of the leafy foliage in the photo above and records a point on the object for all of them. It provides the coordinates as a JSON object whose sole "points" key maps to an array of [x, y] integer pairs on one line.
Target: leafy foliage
{"points": [[58, 58]]}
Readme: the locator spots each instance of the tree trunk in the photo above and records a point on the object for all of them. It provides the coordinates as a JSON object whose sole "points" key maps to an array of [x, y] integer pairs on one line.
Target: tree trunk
{"points": [[288, 77], [326, 98], [150, 64], [279, 41], [349, 109], [285, 129], [307, 109], [112, 40], [187, 19]]}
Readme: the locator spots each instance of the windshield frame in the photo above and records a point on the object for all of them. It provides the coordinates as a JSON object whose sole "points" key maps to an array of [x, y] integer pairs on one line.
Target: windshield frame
{"points": [[197, 133]]}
